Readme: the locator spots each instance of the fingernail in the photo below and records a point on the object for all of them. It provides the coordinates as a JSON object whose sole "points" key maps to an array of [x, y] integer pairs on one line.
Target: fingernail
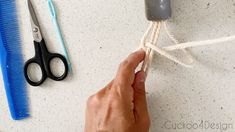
{"points": [[139, 49]]}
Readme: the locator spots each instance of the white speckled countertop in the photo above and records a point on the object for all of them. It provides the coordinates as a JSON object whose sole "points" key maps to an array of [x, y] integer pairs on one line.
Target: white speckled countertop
{"points": [[100, 33]]}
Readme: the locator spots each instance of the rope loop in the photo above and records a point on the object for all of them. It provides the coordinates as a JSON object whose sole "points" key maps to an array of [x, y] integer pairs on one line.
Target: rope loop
{"points": [[149, 44]]}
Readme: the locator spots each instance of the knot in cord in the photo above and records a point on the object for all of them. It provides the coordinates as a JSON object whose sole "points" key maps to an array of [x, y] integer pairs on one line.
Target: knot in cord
{"points": [[149, 44]]}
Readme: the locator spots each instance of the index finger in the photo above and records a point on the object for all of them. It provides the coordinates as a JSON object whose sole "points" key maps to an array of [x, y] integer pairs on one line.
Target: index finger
{"points": [[126, 71]]}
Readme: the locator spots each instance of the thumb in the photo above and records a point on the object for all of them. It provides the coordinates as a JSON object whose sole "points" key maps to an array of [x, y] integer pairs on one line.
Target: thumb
{"points": [[140, 103]]}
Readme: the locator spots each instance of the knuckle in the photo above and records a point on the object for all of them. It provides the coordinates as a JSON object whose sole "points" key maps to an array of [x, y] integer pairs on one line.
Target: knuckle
{"points": [[93, 101], [125, 64]]}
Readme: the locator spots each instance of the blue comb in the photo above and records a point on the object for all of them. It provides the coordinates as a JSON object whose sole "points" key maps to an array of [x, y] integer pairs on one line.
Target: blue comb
{"points": [[11, 61]]}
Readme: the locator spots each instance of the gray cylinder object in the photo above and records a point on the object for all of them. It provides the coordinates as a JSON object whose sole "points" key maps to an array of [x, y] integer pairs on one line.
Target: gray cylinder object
{"points": [[157, 10]]}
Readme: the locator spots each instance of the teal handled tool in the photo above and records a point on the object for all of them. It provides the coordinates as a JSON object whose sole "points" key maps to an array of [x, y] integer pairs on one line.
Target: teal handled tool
{"points": [[58, 30]]}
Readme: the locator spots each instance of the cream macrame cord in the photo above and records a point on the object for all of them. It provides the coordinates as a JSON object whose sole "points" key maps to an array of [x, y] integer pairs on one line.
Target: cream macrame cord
{"points": [[149, 44]]}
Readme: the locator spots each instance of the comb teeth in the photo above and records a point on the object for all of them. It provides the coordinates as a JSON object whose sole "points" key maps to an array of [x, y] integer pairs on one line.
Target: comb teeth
{"points": [[9, 26], [12, 60]]}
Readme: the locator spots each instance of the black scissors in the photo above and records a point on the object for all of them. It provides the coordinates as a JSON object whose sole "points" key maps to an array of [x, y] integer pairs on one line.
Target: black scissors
{"points": [[42, 56]]}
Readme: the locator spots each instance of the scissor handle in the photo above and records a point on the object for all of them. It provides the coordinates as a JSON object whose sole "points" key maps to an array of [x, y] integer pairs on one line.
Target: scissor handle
{"points": [[43, 58], [48, 60], [37, 59], [34, 60]]}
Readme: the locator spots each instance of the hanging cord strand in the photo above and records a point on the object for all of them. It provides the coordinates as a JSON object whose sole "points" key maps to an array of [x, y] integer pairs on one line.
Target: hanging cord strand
{"points": [[154, 39], [150, 31], [173, 39], [146, 34], [155, 30], [169, 34]]}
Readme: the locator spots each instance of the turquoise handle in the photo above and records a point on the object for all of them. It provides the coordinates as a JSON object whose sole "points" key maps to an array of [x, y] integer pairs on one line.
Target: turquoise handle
{"points": [[52, 9]]}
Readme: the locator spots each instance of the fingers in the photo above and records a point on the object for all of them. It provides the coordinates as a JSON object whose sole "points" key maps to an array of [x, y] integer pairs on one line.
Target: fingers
{"points": [[140, 102], [126, 71]]}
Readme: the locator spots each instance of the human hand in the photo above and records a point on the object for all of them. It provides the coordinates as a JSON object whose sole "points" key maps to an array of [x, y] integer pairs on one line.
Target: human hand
{"points": [[121, 106]]}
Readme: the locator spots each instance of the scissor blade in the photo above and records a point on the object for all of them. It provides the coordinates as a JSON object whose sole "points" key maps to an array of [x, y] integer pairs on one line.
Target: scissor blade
{"points": [[34, 23], [32, 14]]}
